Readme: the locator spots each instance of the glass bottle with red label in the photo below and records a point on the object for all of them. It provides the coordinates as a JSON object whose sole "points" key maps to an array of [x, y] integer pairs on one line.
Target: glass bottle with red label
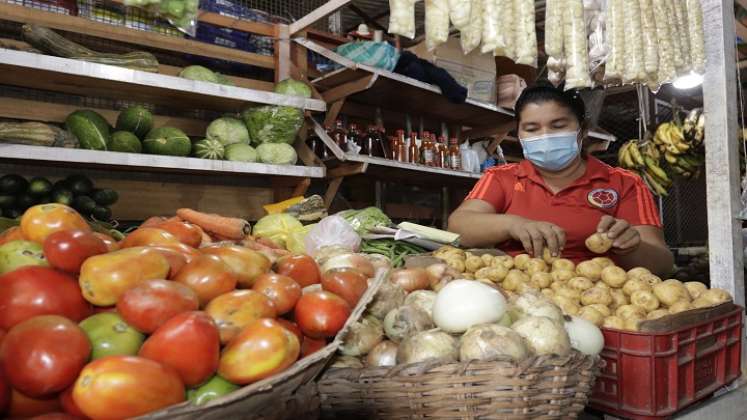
{"points": [[455, 155]]}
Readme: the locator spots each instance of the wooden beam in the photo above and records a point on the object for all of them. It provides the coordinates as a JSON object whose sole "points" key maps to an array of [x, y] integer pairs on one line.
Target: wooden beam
{"points": [[282, 53], [260, 28], [332, 188], [333, 112], [346, 89], [374, 18], [347, 169], [366, 18], [320, 13], [84, 26]]}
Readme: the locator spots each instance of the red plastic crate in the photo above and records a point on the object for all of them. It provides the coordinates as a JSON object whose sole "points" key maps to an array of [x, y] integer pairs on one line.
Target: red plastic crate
{"points": [[654, 375]]}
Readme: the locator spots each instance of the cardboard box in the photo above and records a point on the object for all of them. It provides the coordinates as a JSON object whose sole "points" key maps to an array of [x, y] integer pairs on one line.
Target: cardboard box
{"points": [[475, 71], [509, 88]]}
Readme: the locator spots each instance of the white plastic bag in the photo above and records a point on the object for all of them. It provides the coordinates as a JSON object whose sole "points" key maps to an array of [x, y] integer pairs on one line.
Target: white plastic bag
{"points": [[508, 27], [576, 46], [332, 231], [436, 23], [695, 35], [459, 12], [650, 43], [526, 33], [595, 18], [470, 160], [680, 13], [402, 18], [554, 28], [615, 41], [633, 70], [472, 33], [492, 33], [666, 72], [678, 58]]}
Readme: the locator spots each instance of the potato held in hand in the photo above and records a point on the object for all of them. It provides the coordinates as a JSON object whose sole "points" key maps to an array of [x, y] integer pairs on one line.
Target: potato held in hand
{"points": [[599, 243]]}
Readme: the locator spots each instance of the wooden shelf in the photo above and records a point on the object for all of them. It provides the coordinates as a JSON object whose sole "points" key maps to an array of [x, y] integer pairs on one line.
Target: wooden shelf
{"points": [[394, 167], [77, 77], [132, 161]]}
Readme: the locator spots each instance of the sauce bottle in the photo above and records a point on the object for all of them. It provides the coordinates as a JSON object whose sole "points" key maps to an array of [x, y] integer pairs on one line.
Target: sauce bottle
{"points": [[413, 154], [442, 153], [339, 135], [455, 156], [402, 155], [427, 150]]}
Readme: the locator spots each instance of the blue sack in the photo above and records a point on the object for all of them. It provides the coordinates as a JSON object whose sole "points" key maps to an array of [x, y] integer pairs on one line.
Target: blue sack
{"points": [[375, 54]]}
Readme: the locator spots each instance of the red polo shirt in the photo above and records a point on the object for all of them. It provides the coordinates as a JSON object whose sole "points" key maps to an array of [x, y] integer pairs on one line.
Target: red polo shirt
{"points": [[519, 189]]}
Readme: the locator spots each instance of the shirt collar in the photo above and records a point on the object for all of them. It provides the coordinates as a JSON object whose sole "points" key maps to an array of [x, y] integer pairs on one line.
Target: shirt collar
{"points": [[595, 169]]}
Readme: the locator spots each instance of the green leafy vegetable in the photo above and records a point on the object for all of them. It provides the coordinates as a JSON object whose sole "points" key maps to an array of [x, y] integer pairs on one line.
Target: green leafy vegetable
{"points": [[228, 130], [294, 88], [277, 154], [273, 124], [365, 219]]}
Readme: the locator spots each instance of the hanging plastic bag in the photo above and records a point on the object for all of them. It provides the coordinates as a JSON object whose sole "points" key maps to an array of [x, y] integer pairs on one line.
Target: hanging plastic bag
{"points": [[470, 160], [650, 44], [472, 33], [671, 20], [666, 71], [615, 41], [436, 23], [633, 70], [459, 12], [695, 28], [526, 33], [554, 28], [576, 46], [492, 33], [597, 45], [680, 13], [508, 27], [180, 13], [332, 231], [402, 18]]}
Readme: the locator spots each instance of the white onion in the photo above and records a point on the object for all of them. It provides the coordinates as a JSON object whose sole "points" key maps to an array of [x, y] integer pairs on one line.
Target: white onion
{"points": [[347, 362], [423, 299], [379, 262], [585, 336], [388, 297], [543, 335], [427, 345], [535, 304], [384, 354], [363, 336], [410, 279], [491, 341], [349, 260], [464, 303], [405, 321]]}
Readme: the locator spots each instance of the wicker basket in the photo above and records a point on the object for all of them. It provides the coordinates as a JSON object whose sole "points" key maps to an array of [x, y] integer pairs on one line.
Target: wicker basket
{"points": [[543, 387]]}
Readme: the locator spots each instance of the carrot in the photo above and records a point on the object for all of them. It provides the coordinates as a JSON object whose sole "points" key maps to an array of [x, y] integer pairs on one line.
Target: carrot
{"points": [[226, 227], [153, 221]]}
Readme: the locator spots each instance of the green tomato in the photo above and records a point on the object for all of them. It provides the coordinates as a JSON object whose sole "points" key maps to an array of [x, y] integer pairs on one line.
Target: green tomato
{"points": [[110, 335], [16, 254], [210, 390]]}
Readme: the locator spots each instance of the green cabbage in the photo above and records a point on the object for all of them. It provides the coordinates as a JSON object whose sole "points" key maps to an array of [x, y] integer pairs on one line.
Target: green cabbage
{"points": [[204, 74], [277, 154], [228, 130], [294, 88], [365, 219], [282, 229], [239, 152], [273, 124]]}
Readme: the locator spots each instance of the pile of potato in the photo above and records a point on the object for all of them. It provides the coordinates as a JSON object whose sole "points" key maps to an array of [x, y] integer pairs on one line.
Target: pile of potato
{"points": [[596, 290]]}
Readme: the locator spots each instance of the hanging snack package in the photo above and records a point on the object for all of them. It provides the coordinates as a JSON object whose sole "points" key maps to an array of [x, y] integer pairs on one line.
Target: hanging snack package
{"points": [[695, 35], [555, 70], [472, 33], [576, 46], [666, 71], [492, 33], [554, 28], [615, 41], [680, 13], [402, 18], [633, 69], [597, 45], [650, 43], [180, 13], [674, 31], [436, 23], [508, 27], [460, 12], [526, 33]]}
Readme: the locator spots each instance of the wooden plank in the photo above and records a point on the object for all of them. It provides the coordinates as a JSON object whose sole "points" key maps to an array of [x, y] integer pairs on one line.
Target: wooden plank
{"points": [[332, 187], [238, 81], [333, 112], [350, 88], [84, 26], [319, 13], [366, 18], [282, 59], [24, 109], [260, 28], [347, 170]]}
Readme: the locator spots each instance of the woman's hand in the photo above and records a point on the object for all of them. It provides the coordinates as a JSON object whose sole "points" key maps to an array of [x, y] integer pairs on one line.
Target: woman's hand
{"points": [[534, 235], [626, 239]]}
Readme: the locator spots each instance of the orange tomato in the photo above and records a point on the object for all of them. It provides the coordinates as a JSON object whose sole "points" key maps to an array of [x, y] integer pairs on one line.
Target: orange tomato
{"points": [[262, 349], [22, 406], [40, 221], [177, 255], [185, 232], [208, 276], [346, 283], [310, 345], [247, 264], [11, 234], [104, 278], [235, 310], [120, 387], [301, 268], [148, 236], [283, 291], [69, 405], [110, 243]]}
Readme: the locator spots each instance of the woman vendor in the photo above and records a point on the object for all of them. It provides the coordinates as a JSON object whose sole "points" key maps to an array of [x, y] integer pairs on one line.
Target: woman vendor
{"points": [[558, 196]]}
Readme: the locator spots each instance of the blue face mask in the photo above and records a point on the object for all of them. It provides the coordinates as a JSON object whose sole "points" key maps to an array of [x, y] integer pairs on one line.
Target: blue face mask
{"points": [[552, 152]]}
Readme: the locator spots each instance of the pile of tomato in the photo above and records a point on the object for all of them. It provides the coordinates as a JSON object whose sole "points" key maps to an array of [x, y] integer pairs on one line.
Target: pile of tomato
{"points": [[106, 329]]}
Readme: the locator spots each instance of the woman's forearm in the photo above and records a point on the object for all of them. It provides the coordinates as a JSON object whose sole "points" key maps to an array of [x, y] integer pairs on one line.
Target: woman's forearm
{"points": [[658, 259], [479, 229]]}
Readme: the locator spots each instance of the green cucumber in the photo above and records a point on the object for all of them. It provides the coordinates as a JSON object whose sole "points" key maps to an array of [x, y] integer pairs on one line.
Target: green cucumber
{"points": [[39, 187], [84, 204], [105, 197], [80, 184], [13, 184]]}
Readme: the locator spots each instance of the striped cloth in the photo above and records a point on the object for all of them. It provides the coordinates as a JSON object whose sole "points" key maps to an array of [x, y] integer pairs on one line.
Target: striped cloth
{"points": [[375, 54]]}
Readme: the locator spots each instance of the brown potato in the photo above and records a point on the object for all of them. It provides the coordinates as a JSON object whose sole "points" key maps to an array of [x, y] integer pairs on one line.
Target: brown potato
{"points": [[514, 278], [627, 311], [680, 306], [592, 315], [614, 322], [562, 275], [632, 323], [651, 279], [596, 295], [473, 263], [567, 305], [603, 262], [504, 261], [580, 283], [645, 300], [549, 293], [547, 256], [657, 314], [701, 302], [695, 288], [457, 264], [671, 291], [618, 298], [541, 280], [487, 260], [563, 264], [535, 265], [468, 276], [599, 243], [635, 284], [603, 309], [590, 270], [558, 284], [635, 273], [568, 292], [602, 285], [526, 288], [716, 296], [521, 260], [614, 276]]}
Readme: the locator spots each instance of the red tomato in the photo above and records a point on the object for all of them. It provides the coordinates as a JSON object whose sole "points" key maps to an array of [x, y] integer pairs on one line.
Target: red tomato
{"points": [[111, 244], [31, 291], [347, 284], [283, 291], [120, 387], [40, 221], [11, 234], [5, 391], [185, 232], [150, 304], [43, 355], [22, 406], [100, 309], [176, 258], [189, 343], [69, 405], [292, 327], [246, 264], [208, 276], [262, 349], [67, 249], [321, 314], [148, 236], [301, 268], [235, 310], [310, 346]]}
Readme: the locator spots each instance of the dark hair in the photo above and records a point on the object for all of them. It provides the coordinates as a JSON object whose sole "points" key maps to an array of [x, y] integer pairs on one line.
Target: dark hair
{"points": [[540, 93]]}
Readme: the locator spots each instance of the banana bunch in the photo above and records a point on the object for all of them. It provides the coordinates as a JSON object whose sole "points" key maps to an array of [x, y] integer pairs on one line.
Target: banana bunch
{"points": [[644, 158], [682, 143]]}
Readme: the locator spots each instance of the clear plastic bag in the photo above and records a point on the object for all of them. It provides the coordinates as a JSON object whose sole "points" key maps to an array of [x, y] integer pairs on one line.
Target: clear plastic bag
{"points": [[492, 33], [436, 23], [677, 56], [332, 231], [650, 43], [508, 27], [695, 28], [554, 28], [526, 33], [680, 13], [470, 160], [471, 35], [576, 46], [460, 12], [666, 72], [633, 69], [180, 13], [597, 44], [615, 41], [402, 18]]}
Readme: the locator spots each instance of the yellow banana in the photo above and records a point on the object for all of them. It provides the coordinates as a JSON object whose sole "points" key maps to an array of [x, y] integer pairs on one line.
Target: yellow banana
{"points": [[670, 158], [656, 170], [635, 154], [662, 134], [655, 187]]}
